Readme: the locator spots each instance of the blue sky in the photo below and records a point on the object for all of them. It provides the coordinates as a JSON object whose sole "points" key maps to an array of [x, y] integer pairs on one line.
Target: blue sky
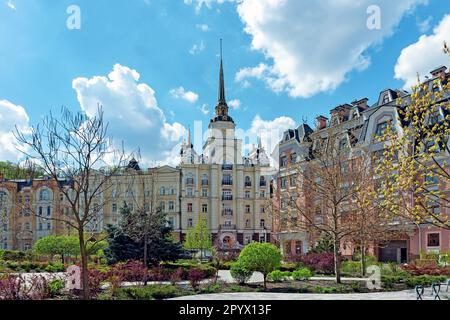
{"points": [[40, 58]]}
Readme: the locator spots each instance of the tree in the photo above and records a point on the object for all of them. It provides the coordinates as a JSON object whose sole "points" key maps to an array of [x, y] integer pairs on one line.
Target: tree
{"points": [[151, 243], [260, 257], [326, 196], [58, 245], [76, 148], [414, 167], [199, 238]]}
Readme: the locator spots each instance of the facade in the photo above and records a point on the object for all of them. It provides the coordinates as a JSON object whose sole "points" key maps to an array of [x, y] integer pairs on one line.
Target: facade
{"points": [[356, 124], [230, 191]]}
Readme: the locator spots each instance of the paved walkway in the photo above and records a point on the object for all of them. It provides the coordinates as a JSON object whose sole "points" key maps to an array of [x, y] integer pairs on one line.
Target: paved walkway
{"points": [[400, 295]]}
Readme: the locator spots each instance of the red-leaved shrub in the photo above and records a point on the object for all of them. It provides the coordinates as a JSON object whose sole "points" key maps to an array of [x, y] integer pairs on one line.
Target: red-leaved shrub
{"points": [[319, 262], [195, 276]]}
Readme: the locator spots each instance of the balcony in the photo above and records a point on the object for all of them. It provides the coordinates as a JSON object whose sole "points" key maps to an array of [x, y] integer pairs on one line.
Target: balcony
{"points": [[227, 213], [227, 167], [248, 184], [227, 182], [205, 183], [227, 227], [227, 198], [189, 181]]}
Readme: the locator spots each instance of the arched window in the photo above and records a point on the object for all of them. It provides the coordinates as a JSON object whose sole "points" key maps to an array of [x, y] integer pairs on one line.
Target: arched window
{"points": [[162, 191], [262, 182], [189, 179], [44, 195], [248, 181], [205, 180]]}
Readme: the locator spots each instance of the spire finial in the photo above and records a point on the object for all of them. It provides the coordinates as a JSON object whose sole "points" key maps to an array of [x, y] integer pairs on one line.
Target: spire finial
{"points": [[189, 137], [222, 100]]}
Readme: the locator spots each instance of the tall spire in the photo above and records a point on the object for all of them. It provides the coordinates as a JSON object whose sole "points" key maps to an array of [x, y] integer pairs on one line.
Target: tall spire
{"points": [[222, 99]]}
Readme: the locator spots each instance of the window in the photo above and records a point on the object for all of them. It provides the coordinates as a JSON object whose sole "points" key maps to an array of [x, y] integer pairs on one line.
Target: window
{"points": [[27, 226], [189, 207], [262, 238], [262, 223], [49, 211], [247, 194], [204, 193], [262, 182], [61, 197], [247, 223], [49, 226], [40, 226], [283, 183], [114, 208], [262, 194], [292, 181], [171, 206], [204, 208], [227, 211], [298, 247], [283, 161], [40, 211], [162, 206], [189, 192], [189, 179], [227, 180], [248, 181], [343, 143], [382, 128], [162, 191], [227, 195], [171, 222], [205, 181], [293, 157], [190, 223], [247, 208], [44, 195], [432, 179], [433, 240], [386, 98], [263, 209]]}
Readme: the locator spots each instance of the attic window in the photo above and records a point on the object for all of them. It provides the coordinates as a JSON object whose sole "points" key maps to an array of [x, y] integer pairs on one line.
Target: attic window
{"points": [[386, 98]]}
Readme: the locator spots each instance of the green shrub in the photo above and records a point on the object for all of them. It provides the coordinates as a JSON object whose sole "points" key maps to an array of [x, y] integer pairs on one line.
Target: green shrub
{"points": [[55, 267], [56, 286], [240, 273], [211, 288], [302, 274], [424, 280], [235, 288], [351, 267], [11, 255], [278, 276], [154, 292]]}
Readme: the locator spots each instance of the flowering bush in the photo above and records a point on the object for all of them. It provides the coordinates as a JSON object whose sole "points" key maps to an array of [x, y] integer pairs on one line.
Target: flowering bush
{"points": [[426, 269], [319, 262], [177, 276], [13, 287]]}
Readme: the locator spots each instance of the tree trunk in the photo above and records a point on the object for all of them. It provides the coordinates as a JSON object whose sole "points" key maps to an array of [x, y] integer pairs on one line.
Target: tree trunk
{"points": [[145, 258], [265, 281], [363, 260], [84, 266], [62, 258], [337, 260]]}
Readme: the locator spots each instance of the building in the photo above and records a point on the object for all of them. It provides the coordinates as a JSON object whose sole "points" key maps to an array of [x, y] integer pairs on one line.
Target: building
{"points": [[356, 125], [230, 191]]}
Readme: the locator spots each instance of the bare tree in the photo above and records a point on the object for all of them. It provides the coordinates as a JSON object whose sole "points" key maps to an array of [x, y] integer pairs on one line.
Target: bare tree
{"points": [[325, 195], [76, 149]]}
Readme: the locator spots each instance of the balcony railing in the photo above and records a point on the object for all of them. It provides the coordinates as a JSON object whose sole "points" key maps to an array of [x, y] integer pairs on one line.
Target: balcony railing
{"points": [[228, 227], [227, 182], [227, 198], [248, 184], [227, 167], [190, 182], [227, 213], [263, 184]]}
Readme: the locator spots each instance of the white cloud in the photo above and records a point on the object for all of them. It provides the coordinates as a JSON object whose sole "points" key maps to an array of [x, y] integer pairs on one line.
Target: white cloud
{"points": [[11, 5], [424, 25], [412, 58], [270, 131], [197, 48], [205, 109], [11, 116], [235, 104], [202, 27], [181, 93], [313, 45], [207, 3], [132, 111]]}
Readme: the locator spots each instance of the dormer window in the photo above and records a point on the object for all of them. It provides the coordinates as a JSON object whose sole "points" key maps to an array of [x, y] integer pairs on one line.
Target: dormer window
{"points": [[382, 128], [386, 98]]}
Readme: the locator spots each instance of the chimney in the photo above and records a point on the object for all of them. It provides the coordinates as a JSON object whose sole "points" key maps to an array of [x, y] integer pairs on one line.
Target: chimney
{"points": [[321, 122], [362, 103], [439, 71]]}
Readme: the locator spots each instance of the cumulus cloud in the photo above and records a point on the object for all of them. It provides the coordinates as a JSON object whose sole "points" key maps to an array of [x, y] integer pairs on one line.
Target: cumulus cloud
{"points": [[181, 93], [269, 131], [11, 116], [205, 109], [133, 114], [295, 36], [235, 104], [411, 60], [11, 5]]}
